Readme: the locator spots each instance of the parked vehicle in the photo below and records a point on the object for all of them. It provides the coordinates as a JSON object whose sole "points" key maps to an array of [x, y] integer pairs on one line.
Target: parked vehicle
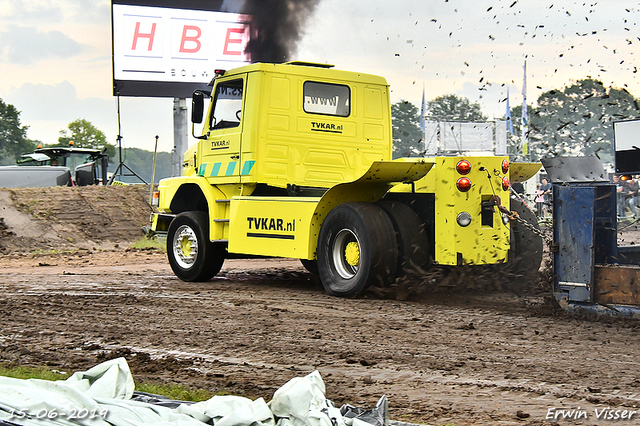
{"points": [[57, 166]]}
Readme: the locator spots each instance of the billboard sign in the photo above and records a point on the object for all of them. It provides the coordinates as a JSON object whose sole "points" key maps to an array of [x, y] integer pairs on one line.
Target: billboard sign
{"points": [[626, 136], [168, 52]]}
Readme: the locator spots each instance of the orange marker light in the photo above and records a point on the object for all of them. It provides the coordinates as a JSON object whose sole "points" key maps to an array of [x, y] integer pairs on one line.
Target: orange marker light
{"points": [[463, 167], [505, 166], [505, 183], [463, 184]]}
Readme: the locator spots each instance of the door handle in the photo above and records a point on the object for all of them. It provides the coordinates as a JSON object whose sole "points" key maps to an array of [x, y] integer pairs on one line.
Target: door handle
{"points": [[235, 157]]}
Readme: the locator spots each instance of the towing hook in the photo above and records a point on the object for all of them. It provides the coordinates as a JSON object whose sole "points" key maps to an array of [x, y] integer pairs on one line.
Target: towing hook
{"points": [[496, 201]]}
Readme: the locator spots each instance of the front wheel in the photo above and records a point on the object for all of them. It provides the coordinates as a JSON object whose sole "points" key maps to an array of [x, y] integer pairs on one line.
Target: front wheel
{"points": [[356, 248], [192, 256]]}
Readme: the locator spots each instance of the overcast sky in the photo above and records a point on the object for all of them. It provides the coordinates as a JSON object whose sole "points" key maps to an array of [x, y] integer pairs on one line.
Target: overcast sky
{"points": [[55, 55]]}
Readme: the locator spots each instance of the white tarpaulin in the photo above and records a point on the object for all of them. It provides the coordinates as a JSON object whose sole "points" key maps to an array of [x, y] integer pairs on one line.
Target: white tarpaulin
{"points": [[102, 395]]}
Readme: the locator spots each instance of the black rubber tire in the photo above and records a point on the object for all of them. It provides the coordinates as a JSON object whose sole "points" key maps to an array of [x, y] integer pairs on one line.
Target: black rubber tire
{"points": [[413, 244], [369, 227], [189, 231], [525, 254], [310, 265]]}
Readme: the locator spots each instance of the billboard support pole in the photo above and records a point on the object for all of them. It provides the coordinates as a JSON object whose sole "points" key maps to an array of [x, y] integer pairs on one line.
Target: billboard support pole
{"points": [[180, 135]]}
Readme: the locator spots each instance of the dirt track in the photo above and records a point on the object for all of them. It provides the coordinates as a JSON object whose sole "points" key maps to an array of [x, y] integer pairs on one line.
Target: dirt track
{"points": [[446, 357]]}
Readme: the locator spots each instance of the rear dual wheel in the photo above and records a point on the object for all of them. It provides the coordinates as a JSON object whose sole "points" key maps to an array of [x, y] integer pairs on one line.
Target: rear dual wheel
{"points": [[192, 256], [527, 247], [357, 247], [413, 244]]}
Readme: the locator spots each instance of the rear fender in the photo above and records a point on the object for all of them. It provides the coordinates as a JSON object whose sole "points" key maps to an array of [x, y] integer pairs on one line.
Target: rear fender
{"points": [[370, 187], [520, 172]]}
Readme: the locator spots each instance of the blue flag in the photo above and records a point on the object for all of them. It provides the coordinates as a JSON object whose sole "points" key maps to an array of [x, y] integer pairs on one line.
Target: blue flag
{"points": [[508, 115]]}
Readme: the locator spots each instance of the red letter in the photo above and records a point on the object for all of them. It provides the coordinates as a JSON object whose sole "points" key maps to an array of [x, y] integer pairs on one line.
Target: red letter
{"points": [[229, 40], [137, 34], [193, 39]]}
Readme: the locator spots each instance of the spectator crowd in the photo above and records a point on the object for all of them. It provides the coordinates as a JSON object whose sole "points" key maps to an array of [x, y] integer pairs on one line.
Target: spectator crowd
{"points": [[628, 203], [627, 199]]}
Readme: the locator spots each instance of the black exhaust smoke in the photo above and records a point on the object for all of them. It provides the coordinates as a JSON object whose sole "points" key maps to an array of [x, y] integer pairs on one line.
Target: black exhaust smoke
{"points": [[276, 27]]}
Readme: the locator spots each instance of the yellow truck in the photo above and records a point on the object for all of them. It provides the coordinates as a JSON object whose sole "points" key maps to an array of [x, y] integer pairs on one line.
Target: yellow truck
{"points": [[294, 160]]}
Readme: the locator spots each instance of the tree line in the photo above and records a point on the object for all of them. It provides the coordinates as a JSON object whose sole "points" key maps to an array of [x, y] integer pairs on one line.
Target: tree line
{"points": [[575, 120], [14, 143]]}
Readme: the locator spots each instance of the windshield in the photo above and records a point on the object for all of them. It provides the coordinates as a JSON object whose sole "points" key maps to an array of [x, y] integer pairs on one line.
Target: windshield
{"points": [[76, 159], [227, 110], [35, 159]]}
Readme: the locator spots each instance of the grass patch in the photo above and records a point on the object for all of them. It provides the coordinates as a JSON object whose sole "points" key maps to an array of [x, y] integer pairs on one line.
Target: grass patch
{"points": [[146, 243], [20, 372], [177, 392], [54, 252]]}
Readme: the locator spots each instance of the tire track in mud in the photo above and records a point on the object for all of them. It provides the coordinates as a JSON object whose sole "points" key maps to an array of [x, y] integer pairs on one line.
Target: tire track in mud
{"points": [[459, 358]]}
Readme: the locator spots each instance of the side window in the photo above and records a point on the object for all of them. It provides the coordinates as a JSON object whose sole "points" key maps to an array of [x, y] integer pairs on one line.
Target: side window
{"points": [[227, 109], [327, 99]]}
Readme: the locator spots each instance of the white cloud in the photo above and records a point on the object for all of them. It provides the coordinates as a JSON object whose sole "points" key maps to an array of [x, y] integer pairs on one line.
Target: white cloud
{"points": [[47, 109], [451, 45], [27, 45], [32, 11], [61, 68], [48, 12]]}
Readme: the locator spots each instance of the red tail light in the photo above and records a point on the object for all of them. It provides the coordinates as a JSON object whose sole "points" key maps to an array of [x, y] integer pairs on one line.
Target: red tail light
{"points": [[463, 184], [463, 167], [505, 166], [505, 183]]}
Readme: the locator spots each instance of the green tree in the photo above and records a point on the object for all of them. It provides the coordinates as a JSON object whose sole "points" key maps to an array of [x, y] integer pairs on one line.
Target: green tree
{"points": [[578, 120], [407, 136], [141, 161], [13, 136], [454, 108], [83, 134]]}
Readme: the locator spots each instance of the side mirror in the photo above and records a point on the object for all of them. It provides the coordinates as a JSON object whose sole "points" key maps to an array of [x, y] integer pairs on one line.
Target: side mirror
{"points": [[197, 107]]}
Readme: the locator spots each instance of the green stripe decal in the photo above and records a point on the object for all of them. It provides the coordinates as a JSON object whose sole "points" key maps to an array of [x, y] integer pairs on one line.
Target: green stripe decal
{"points": [[216, 169], [230, 168], [201, 169], [248, 165]]}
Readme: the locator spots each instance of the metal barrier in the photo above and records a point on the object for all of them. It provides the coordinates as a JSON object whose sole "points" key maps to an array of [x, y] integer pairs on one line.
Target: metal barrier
{"points": [[591, 273]]}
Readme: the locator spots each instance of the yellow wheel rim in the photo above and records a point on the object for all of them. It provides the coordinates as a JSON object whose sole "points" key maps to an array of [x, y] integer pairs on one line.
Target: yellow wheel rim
{"points": [[352, 254], [185, 247]]}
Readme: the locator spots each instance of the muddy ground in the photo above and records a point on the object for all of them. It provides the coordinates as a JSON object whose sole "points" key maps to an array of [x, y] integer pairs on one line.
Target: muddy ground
{"points": [[471, 349]]}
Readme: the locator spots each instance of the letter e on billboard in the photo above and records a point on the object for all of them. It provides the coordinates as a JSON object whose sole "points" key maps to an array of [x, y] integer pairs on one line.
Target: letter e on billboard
{"points": [[234, 42]]}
